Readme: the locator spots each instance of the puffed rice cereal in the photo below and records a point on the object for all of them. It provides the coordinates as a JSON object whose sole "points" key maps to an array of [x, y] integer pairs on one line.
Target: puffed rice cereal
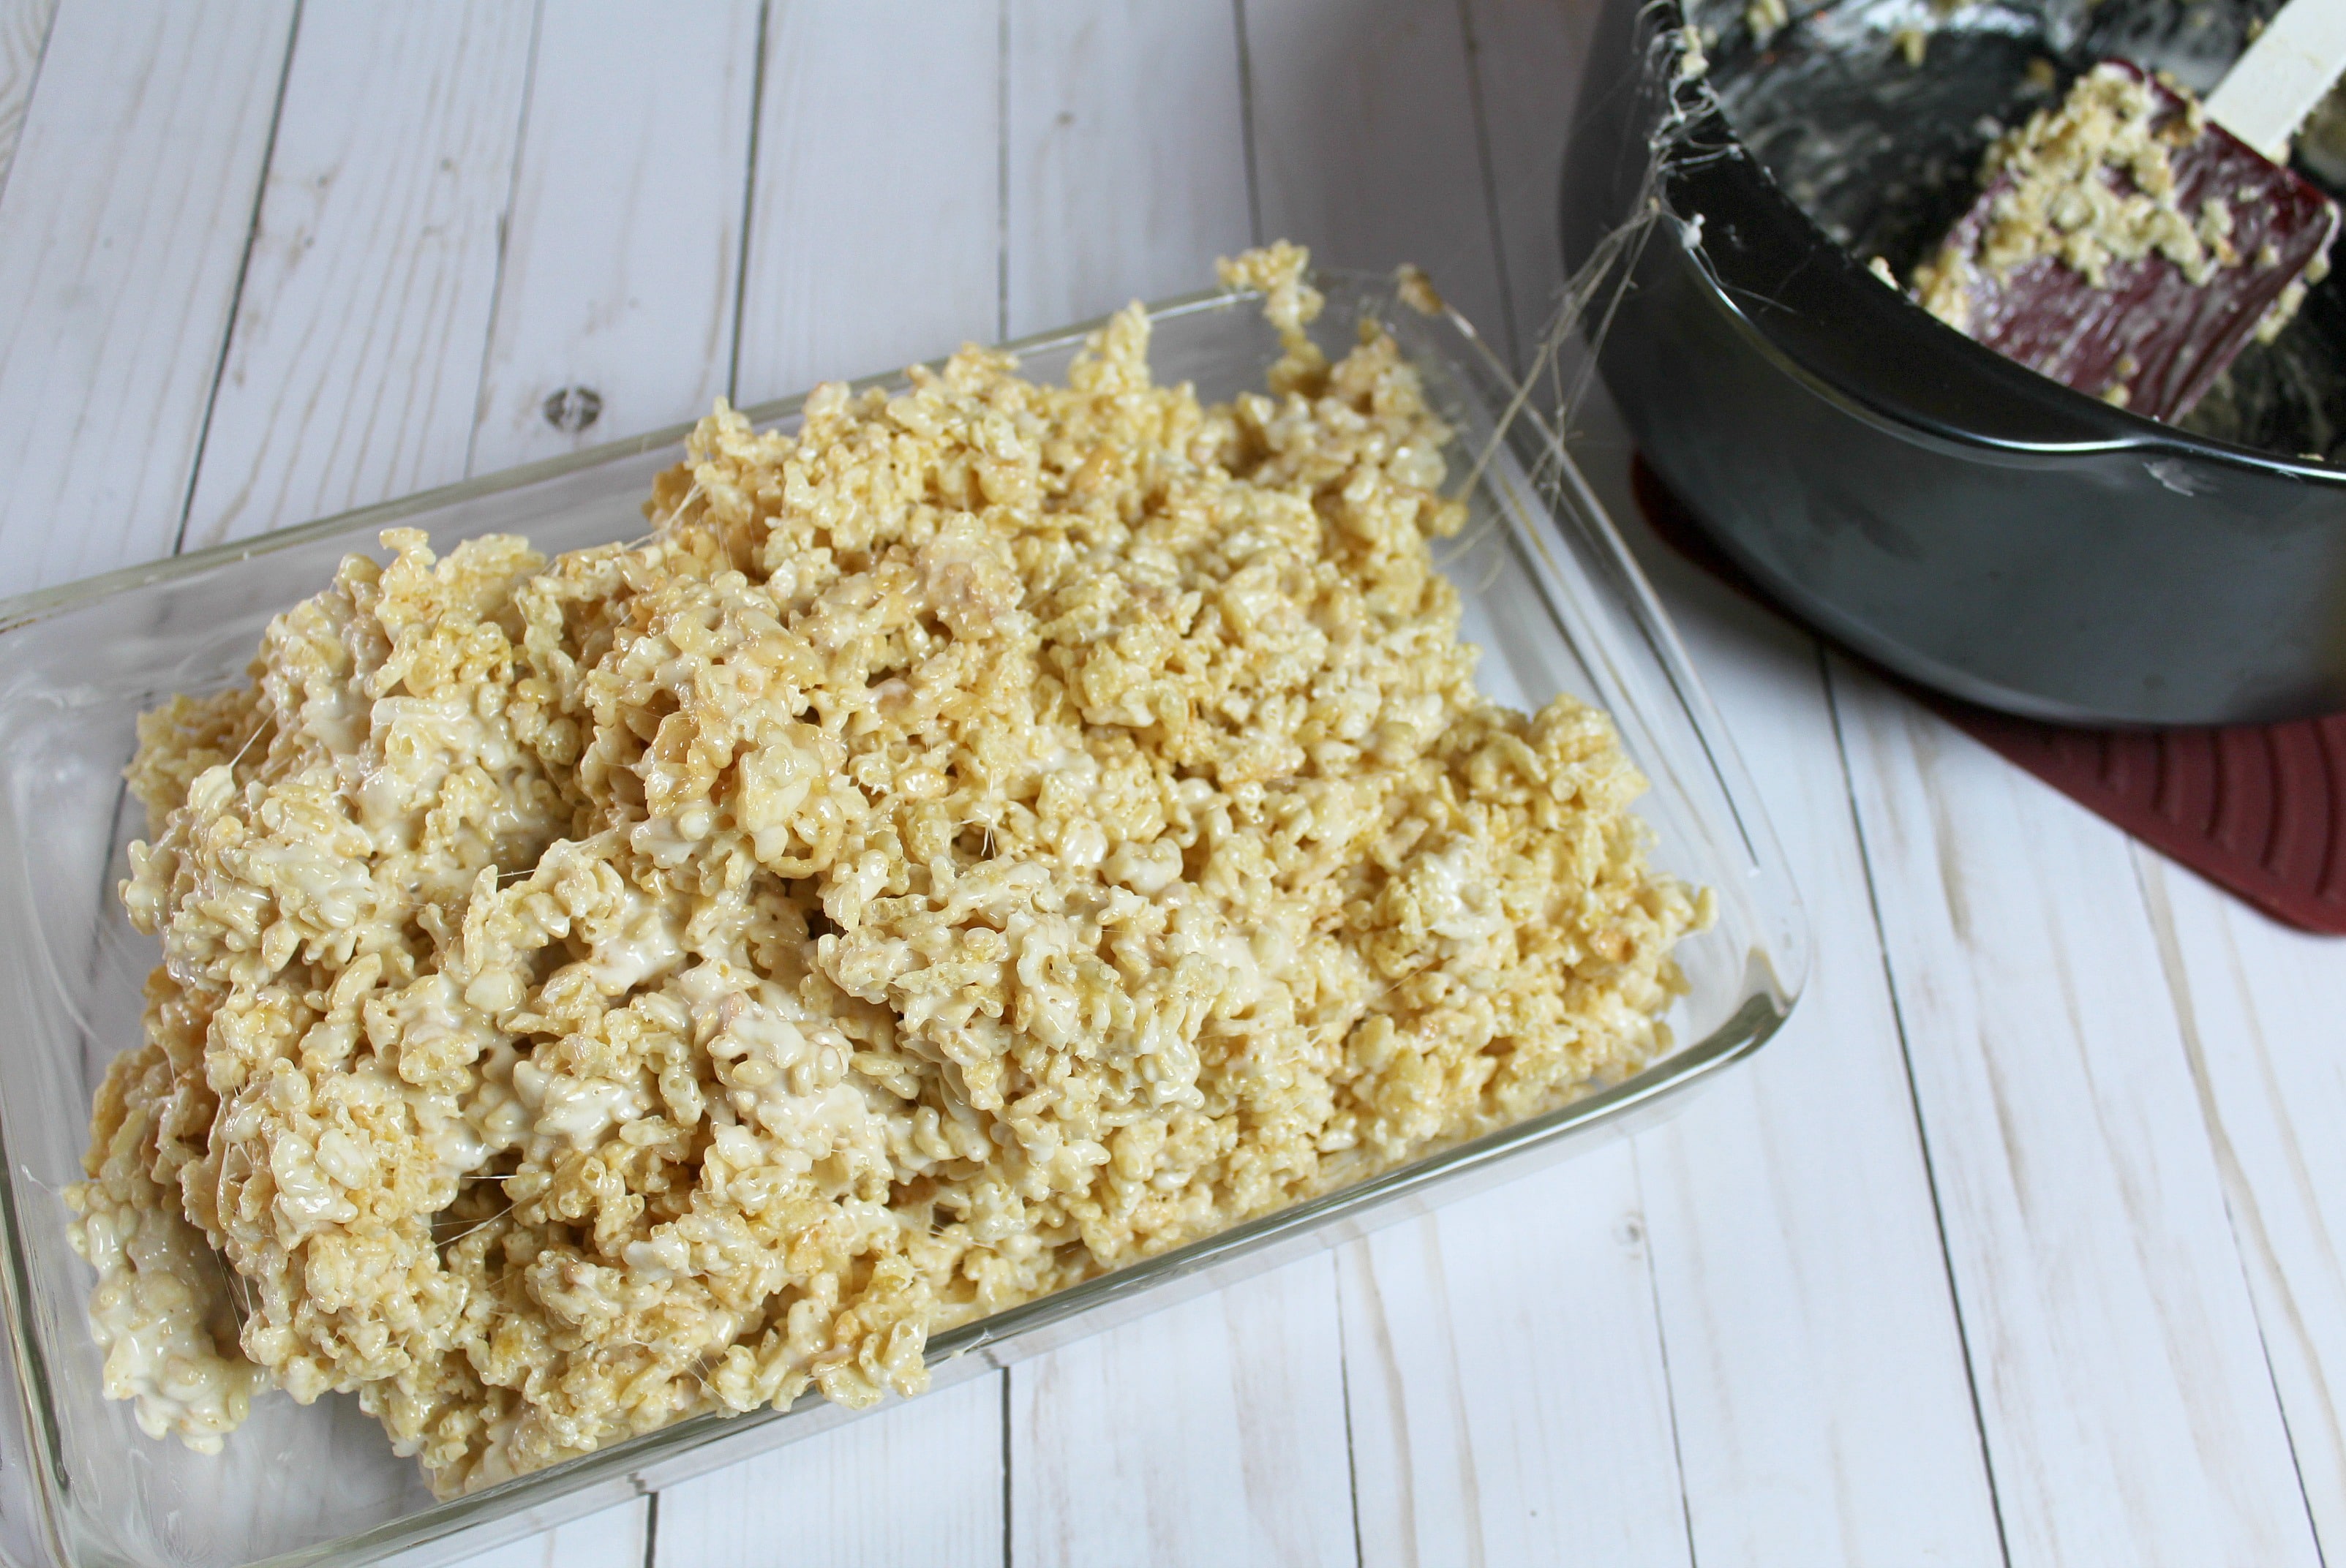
{"points": [[994, 834]]}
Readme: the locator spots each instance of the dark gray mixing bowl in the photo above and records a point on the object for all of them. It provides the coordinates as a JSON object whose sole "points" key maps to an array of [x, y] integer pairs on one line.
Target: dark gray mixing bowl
{"points": [[1943, 511]]}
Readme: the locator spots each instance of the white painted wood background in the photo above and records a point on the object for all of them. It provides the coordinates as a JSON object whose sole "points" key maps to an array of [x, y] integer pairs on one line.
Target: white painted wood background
{"points": [[2020, 1245]]}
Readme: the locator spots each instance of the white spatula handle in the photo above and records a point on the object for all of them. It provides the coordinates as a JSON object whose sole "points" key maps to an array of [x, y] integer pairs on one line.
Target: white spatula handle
{"points": [[2275, 84]]}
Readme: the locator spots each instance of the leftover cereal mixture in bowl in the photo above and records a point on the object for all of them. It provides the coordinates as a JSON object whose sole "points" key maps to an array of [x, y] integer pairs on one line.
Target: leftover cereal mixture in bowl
{"points": [[993, 834]]}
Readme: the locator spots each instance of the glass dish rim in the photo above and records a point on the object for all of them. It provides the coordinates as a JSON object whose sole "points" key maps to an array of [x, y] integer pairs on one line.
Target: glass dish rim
{"points": [[1774, 977]]}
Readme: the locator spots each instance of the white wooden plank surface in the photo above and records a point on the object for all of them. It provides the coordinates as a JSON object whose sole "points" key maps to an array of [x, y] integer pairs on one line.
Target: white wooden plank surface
{"points": [[1212, 1431], [23, 31], [1508, 1397], [2129, 1411], [919, 1483], [1739, 1337], [875, 225], [1361, 150], [620, 262], [125, 214], [2263, 1010], [1126, 155], [1816, 1363], [355, 365]]}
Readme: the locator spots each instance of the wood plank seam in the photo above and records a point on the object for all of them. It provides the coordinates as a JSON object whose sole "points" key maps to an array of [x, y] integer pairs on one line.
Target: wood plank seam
{"points": [[505, 238], [1004, 1375], [244, 269], [1470, 1472], [1914, 1095], [1406, 1490], [1345, 1375], [12, 116], [1246, 127], [1482, 123], [748, 201], [651, 1531], [2292, 1083], [1662, 1350], [2150, 886]]}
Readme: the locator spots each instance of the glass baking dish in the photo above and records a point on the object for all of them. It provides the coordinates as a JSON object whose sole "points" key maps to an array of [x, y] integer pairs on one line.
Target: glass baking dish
{"points": [[1551, 596]]}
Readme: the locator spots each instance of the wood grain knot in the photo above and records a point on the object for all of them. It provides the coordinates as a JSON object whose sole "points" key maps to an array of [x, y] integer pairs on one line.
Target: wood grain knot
{"points": [[572, 409]]}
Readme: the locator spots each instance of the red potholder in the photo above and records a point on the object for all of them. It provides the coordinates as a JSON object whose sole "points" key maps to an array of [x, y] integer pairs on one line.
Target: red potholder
{"points": [[2260, 808]]}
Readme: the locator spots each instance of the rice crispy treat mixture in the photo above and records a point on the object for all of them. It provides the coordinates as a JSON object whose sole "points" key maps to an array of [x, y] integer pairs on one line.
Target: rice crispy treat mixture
{"points": [[994, 834], [2093, 184]]}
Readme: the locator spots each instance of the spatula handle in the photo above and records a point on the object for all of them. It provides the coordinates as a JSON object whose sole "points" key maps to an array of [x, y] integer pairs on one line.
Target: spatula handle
{"points": [[2275, 84]]}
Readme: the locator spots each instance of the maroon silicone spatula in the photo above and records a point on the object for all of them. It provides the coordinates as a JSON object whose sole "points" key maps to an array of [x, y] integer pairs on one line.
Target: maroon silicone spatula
{"points": [[2152, 329]]}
